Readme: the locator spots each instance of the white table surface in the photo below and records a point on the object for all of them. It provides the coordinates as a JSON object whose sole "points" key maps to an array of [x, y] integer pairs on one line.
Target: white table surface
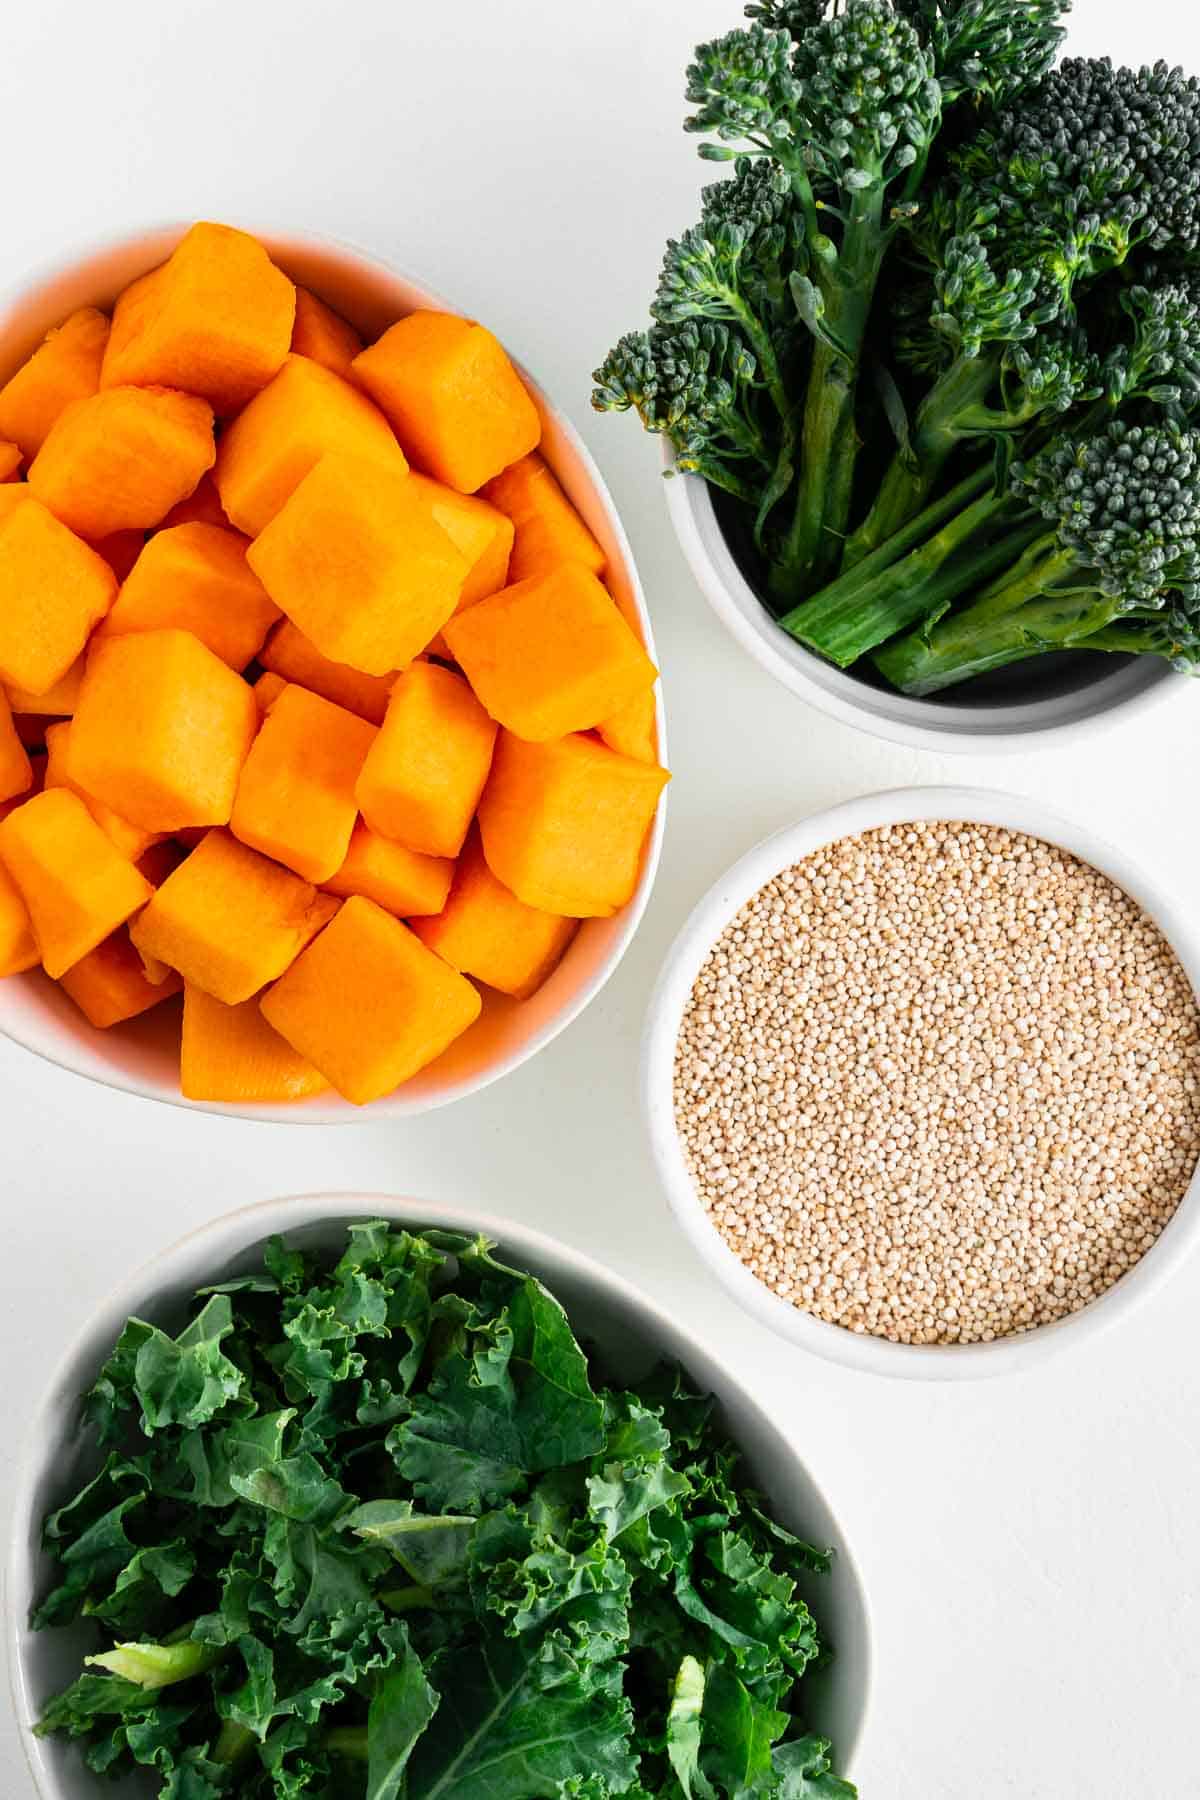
{"points": [[1029, 1546]]}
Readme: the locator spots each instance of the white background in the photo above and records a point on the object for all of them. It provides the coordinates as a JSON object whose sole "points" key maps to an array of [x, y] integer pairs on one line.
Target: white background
{"points": [[1030, 1548]]}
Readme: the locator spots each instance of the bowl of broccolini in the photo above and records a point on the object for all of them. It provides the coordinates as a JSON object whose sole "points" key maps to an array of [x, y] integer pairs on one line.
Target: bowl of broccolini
{"points": [[927, 370]]}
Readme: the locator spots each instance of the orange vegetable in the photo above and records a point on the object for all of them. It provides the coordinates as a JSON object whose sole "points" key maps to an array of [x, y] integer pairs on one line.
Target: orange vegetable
{"points": [[323, 335], [295, 800], [201, 507], [16, 770], [109, 984], [288, 653], [216, 319], [53, 589], [487, 932], [196, 578], [231, 1054], [122, 459], [359, 566], [548, 529], [77, 886], [18, 946], [368, 1004], [401, 881], [58, 702], [305, 413], [634, 730], [550, 655], [423, 775], [120, 550], [162, 730], [563, 824], [267, 690], [131, 840], [63, 368], [10, 462], [230, 921], [457, 404], [483, 535]]}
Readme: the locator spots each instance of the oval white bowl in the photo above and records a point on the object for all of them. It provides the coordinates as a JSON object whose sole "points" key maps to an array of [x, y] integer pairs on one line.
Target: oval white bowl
{"points": [[142, 1057], [626, 1323], [878, 1356], [921, 724]]}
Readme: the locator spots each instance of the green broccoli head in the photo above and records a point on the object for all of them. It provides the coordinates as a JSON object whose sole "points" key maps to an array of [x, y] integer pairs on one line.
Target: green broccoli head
{"points": [[1161, 361], [793, 16], [745, 93], [989, 48]]}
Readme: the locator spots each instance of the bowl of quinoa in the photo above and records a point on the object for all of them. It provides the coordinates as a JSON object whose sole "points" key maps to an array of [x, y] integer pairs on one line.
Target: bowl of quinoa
{"points": [[922, 1080]]}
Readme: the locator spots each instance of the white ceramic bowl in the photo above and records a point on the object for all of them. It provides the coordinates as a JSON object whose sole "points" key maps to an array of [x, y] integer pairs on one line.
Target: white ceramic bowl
{"points": [[990, 728], [142, 1057], [878, 1356], [625, 1323]]}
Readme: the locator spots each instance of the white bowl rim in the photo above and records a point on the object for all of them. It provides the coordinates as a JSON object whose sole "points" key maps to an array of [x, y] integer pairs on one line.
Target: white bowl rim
{"points": [[897, 718], [873, 1355], [330, 1110], [259, 1219]]}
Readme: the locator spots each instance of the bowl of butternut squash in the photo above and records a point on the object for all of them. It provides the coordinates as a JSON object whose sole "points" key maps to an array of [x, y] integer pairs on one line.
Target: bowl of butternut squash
{"points": [[330, 741]]}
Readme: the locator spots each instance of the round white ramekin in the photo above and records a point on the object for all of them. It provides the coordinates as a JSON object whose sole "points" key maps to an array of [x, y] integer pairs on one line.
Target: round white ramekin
{"points": [[624, 1322], [142, 1056], [873, 1355], [981, 729]]}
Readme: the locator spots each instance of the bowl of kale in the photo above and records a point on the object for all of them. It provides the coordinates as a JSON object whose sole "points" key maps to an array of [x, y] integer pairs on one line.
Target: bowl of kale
{"points": [[338, 1498], [928, 366]]}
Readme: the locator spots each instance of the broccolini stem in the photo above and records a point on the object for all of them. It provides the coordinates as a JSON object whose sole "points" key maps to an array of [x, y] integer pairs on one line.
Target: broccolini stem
{"points": [[349, 1740]]}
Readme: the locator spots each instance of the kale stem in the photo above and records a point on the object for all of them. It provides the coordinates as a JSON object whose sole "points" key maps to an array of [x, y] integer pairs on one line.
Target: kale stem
{"points": [[159, 1665], [233, 1742]]}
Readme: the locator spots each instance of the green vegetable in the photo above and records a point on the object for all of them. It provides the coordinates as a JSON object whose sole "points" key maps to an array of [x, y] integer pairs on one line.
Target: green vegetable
{"points": [[376, 1529]]}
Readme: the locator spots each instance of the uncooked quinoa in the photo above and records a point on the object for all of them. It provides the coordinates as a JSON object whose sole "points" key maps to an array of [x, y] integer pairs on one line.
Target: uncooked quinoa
{"points": [[940, 1083]]}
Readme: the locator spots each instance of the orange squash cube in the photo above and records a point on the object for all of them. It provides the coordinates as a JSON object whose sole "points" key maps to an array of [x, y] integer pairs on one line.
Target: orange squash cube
{"points": [[53, 590], [201, 507], [368, 1004], [563, 824], [487, 932], [120, 460], [231, 1054], [63, 368], [551, 655], [196, 578], [77, 886], [423, 775], [109, 984], [131, 840], [267, 690], [216, 319], [482, 533], [288, 653], [634, 730], [401, 881], [455, 401], [548, 529], [295, 800], [18, 946], [10, 462], [323, 335], [359, 565], [58, 702], [16, 770], [162, 730], [229, 920], [305, 413]]}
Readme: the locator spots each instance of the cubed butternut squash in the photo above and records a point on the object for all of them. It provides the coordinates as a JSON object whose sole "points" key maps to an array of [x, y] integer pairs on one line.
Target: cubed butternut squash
{"points": [[16, 770], [109, 984], [401, 881], [18, 946], [359, 565], [120, 460], [485, 931], [480, 531], [58, 702], [634, 730], [63, 368], [288, 653], [161, 730], [201, 507], [456, 403], [131, 840], [368, 1004], [196, 578], [295, 800], [548, 529], [551, 655], [231, 1054], [53, 590], [563, 824], [423, 775], [216, 319], [76, 884], [323, 335]]}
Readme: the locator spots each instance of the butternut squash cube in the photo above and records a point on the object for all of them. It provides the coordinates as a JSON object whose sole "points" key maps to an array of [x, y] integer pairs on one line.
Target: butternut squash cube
{"points": [[303, 414], [423, 775], [196, 578], [548, 529], [18, 946], [120, 460], [551, 655], [53, 590], [10, 462], [288, 653], [64, 367], [634, 730], [201, 507], [131, 840], [368, 1004], [401, 881], [16, 770], [162, 730], [231, 1054], [563, 824], [455, 401], [323, 335], [216, 318], [77, 886], [295, 800], [109, 984], [487, 932], [482, 533], [359, 565], [230, 921], [58, 702]]}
